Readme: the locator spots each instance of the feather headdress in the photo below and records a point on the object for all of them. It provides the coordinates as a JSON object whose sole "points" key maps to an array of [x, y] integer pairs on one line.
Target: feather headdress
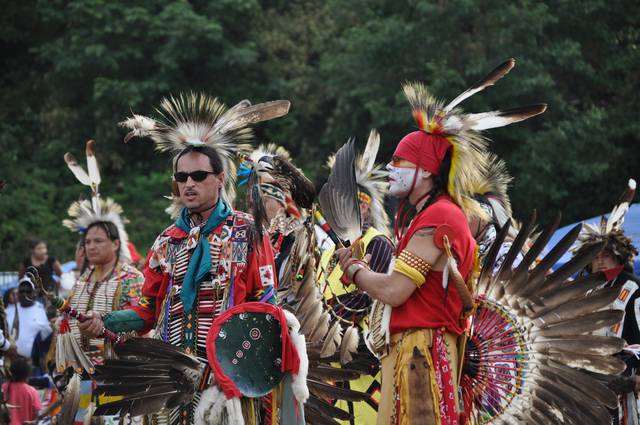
{"points": [[463, 130], [86, 212], [272, 163], [610, 229], [371, 179], [200, 120], [492, 189]]}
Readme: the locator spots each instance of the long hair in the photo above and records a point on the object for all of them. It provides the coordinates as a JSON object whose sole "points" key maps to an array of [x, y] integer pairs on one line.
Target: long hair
{"points": [[440, 182]]}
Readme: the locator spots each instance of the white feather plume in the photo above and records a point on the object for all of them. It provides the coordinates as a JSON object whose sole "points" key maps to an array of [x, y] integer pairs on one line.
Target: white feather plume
{"points": [[77, 170], [92, 166], [82, 214]]}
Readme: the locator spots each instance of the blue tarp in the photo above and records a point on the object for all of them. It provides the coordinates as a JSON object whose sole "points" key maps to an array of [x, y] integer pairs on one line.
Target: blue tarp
{"points": [[631, 228]]}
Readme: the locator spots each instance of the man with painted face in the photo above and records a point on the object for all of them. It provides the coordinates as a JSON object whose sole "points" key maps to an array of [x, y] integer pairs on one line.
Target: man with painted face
{"points": [[434, 170], [425, 318]]}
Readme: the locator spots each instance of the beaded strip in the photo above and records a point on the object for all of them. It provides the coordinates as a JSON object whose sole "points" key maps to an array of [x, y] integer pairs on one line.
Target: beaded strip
{"points": [[412, 260]]}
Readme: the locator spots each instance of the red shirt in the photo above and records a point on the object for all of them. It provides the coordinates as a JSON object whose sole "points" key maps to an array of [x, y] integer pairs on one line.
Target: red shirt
{"points": [[25, 397], [426, 308], [251, 283]]}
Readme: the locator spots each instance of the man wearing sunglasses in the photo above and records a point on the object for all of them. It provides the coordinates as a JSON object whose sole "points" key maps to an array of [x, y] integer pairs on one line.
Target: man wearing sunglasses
{"points": [[211, 258]]}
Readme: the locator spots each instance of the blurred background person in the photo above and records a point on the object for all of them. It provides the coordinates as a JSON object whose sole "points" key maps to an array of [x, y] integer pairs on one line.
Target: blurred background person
{"points": [[47, 265], [27, 318], [18, 393]]}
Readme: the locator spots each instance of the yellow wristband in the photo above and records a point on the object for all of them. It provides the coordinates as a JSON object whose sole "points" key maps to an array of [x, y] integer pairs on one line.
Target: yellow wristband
{"points": [[412, 273]]}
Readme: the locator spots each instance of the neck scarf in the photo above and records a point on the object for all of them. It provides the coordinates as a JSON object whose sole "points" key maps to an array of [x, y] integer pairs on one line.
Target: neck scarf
{"points": [[200, 262]]}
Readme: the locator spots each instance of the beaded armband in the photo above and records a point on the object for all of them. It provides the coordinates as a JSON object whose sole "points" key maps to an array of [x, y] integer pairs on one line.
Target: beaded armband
{"points": [[412, 266]]}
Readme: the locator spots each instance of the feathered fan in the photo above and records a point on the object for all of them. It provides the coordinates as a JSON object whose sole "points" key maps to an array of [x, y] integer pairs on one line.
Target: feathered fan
{"points": [[371, 178], [330, 339], [152, 373], [529, 346], [339, 196]]}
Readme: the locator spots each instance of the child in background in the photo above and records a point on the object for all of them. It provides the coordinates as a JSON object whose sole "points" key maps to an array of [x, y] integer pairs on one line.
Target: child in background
{"points": [[18, 393]]}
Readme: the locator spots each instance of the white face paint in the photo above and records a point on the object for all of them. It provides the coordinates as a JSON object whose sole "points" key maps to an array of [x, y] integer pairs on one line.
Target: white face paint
{"points": [[400, 180]]}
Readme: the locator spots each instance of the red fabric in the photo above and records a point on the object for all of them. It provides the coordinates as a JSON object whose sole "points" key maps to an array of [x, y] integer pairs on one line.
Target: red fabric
{"points": [[64, 327], [613, 273], [251, 282], [426, 308], [25, 397], [135, 255], [246, 284], [154, 290], [425, 150], [290, 358], [292, 208], [155, 286], [444, 378]]}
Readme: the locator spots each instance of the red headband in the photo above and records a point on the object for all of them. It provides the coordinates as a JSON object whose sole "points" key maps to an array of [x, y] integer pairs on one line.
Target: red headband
{"points": [[425, 150]]}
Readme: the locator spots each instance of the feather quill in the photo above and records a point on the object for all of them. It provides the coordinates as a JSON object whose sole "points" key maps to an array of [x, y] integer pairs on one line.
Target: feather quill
{"points": [[338, 197], [501, 118], [332, 341], [77, 170], [92, 166], [349, 344], [71, 401], [587, 323], [325, 390], [487, 81]]}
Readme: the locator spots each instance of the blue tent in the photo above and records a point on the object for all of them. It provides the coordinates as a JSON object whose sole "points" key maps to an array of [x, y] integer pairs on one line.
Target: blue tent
{"points": [[631, 228]]}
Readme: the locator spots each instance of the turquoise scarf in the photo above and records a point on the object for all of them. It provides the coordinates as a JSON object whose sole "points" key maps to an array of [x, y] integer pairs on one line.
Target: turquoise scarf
{"points": [[200, 263]]}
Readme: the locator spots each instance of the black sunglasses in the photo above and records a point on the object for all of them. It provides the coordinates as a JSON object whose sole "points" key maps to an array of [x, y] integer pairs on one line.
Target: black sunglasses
{"points": [[196, 176]]}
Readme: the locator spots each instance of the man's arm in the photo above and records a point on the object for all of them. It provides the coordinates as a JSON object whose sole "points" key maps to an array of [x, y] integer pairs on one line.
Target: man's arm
{"points": [[395, 288], [139, 318]]}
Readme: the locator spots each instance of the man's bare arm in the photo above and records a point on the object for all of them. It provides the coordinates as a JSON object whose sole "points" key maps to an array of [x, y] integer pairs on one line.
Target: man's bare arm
{"points": [[395, 288]]}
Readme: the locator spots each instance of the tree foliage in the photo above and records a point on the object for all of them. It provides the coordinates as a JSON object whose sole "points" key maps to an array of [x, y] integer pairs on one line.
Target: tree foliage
{"points": [[75, 68]]}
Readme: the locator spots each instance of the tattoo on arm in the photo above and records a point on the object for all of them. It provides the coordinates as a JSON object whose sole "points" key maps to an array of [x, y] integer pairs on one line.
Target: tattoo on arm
{"points": [[427, 231]]}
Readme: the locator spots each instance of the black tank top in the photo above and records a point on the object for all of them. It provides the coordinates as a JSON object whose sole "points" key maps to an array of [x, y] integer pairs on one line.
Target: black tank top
{"points": [[45, 270]]}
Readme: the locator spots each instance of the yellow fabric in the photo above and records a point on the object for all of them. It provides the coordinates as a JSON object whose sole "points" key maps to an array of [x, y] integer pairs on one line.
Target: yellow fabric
{"points": [[363, 412], [86, 396], [333, 281], [395, 373], [410, 272]]}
